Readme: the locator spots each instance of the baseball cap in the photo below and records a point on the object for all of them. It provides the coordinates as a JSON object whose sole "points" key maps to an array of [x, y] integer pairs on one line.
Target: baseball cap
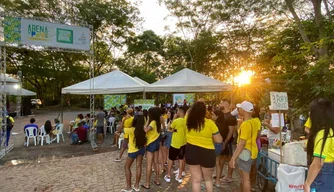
{"points": [[246, 106]]}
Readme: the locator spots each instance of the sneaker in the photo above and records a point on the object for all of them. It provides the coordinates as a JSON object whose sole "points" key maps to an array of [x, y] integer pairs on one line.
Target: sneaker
{"points": [[176, 171], [183, 174], [179, 179], [167, 179], [117, 160]]}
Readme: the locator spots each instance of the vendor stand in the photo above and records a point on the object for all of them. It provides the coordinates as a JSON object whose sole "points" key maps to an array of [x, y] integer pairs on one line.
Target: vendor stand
{"points": [[269, 161]]}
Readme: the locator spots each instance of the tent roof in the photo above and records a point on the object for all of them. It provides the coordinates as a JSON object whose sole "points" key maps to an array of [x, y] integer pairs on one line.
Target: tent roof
{"points": [[141, 81], [187, 81], [115, 82], [12, 90], [9, 79]]}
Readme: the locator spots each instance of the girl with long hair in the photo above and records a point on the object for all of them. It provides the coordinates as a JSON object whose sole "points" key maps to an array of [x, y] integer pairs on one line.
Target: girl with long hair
{"points": [[201, 135], [136, 151], [152, 130], [320, 147], [48, 127]]}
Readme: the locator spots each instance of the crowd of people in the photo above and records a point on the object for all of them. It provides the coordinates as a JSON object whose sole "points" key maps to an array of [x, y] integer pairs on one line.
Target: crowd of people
{"points": [[176, 135], [207, 139]]}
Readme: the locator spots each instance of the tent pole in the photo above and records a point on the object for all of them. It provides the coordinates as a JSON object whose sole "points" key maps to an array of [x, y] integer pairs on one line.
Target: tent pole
{"points": [[144, 95], [62, 108]]}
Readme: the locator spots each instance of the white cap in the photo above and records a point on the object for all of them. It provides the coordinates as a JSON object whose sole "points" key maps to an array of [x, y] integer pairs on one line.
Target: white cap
{"points": [[234, 112], [246, 106]]}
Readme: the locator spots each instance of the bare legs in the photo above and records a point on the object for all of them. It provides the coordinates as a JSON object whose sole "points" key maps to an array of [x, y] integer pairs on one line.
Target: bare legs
{"points": [[196, 172], [127, 168], [219, 169], [245, 181], [152, 159]]}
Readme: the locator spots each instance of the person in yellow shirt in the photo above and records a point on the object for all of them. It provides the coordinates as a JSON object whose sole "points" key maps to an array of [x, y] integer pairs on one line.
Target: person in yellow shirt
{"points": [[137, 141], [308, 125], [247, 150], [126, 123], [178, 144], [153, 144], [320, 146], [201, 134]]}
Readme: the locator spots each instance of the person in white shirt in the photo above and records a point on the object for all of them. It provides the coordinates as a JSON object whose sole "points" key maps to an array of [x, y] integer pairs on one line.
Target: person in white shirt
{"points": [[273, 132]]}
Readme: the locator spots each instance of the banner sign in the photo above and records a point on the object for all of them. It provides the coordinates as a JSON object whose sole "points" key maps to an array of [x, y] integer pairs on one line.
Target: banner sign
{"points": [[279, 101], [145, 103], [114, 101], [46, 34], [179, 98]]}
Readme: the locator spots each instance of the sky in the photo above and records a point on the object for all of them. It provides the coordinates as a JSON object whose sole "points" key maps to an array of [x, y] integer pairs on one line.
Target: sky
{"points": [[154, 17]]}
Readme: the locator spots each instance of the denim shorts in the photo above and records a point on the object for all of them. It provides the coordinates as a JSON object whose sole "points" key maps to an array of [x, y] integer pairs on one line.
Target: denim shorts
{"points": [[245, 165], [218, 148], [168, 139], [324, 180], [137, 153], [154, 146]]}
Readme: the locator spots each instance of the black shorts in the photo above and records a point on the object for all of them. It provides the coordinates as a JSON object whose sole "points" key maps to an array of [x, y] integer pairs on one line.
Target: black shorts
{"points": [[175, 154], [200, 156], [99, 129], [228, 151]]}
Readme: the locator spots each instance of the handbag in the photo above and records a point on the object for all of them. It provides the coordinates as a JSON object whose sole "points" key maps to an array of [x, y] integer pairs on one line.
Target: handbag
{"points": [[246, 154]]}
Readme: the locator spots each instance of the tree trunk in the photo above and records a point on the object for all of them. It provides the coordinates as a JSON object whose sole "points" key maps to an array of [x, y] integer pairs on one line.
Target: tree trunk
{"points": [[300, 26], [323, 48]]}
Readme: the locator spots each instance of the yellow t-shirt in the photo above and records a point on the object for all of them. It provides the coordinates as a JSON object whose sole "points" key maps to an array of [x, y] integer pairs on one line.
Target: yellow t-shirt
{"points": [[203, 138], [127, 124], [257, 123], [152, 134], [308, 123], [179, 137], [328, 151], [132, 145], [248, 131]]}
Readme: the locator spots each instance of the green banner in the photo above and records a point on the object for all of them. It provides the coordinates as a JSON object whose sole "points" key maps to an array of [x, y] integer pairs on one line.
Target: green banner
{"points": [[114, 101], [12, 29]]}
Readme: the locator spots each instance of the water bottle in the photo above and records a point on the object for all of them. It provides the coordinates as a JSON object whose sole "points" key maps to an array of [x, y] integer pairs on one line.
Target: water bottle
{"points": [[313, 190]]}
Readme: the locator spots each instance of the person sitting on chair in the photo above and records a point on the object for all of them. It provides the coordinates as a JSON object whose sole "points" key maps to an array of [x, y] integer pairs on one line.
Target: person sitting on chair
{"points": [[31, 124], [78, 135]]}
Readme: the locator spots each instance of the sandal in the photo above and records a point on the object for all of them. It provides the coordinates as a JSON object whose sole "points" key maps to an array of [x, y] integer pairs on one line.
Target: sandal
{"points": [[224, 180], [124, 190], [143, 186], [216, 185], [135, 189], [157, 184]]}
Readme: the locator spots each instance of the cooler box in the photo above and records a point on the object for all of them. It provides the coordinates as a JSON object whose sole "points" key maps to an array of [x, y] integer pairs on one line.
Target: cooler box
{"points": [[295, 154]]}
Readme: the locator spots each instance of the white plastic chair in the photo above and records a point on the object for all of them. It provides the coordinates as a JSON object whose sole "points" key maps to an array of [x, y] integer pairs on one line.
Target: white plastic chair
{"points": [[120, 140], [59, 133], [111, 127], [30, 134], [44, 135]]}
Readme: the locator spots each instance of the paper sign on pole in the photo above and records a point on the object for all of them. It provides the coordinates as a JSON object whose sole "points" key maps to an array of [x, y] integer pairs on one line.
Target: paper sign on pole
{"points": [[279, 101], [46, 34]]}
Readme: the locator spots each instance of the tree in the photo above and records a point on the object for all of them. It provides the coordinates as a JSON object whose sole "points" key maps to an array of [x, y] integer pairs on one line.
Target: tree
{"points": [[47, 72]]}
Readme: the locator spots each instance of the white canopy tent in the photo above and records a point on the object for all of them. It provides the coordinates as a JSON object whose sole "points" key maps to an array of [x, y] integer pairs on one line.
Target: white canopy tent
{"points": [[187, 81], [141, 81], [115, 82], [12, 89], [8, 78]]}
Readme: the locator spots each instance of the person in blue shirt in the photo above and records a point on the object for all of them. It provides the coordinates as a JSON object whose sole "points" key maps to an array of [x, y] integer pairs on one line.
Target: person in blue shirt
{"points": [[31, 124]]}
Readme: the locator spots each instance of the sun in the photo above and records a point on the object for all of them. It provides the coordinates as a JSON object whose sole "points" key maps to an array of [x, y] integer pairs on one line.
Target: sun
{"points": [[244, 78]]}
